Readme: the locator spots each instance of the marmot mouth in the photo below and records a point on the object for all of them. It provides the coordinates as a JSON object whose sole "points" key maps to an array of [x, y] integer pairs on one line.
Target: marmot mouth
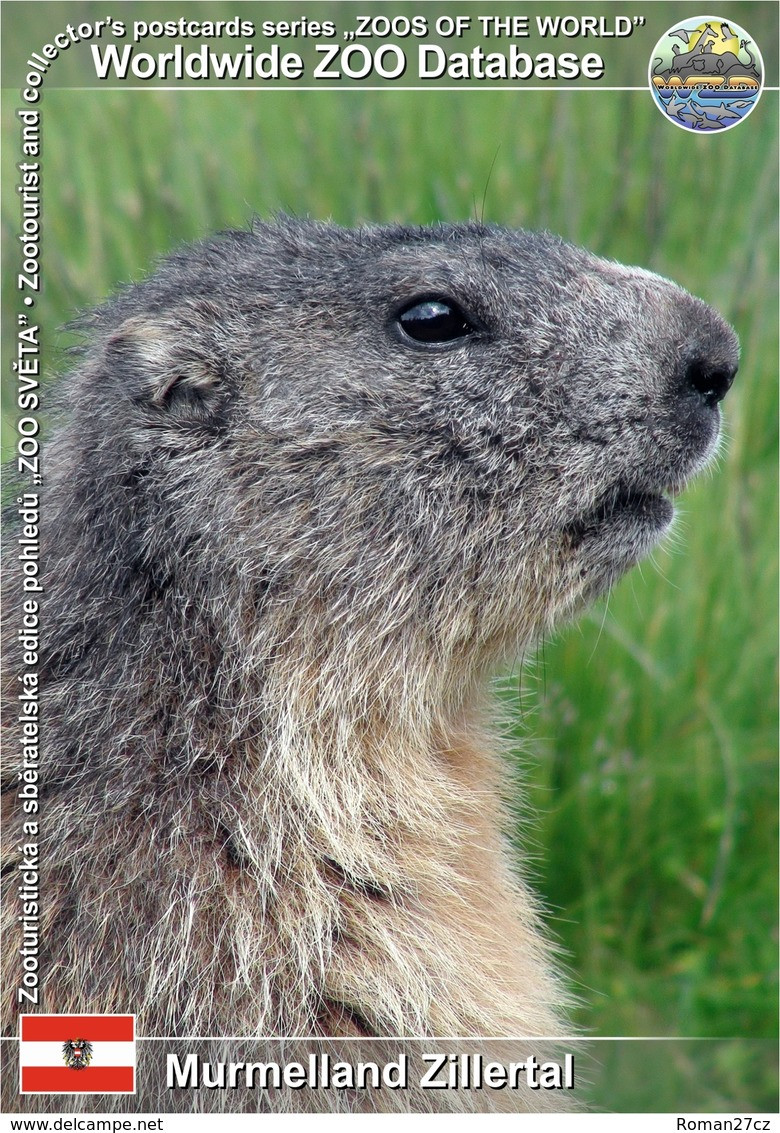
{"points": [[638, 509], [654, 508]]}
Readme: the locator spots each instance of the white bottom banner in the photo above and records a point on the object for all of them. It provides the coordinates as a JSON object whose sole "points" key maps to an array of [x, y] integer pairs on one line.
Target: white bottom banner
{"points": [[410, 1123]]}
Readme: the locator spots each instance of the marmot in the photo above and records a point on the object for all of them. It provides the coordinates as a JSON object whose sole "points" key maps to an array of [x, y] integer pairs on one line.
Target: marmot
{"points": [[314, 486]]}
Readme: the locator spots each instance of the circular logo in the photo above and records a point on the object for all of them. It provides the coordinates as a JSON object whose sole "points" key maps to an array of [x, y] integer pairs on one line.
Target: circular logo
{"points": [[706, 74]]}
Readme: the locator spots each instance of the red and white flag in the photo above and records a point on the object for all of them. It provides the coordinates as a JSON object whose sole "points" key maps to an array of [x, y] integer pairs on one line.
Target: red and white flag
{"points": [[77, 1054]]}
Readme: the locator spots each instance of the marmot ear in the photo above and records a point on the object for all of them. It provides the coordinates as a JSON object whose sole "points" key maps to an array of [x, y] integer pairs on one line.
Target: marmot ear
{"points": [[161, 364]]}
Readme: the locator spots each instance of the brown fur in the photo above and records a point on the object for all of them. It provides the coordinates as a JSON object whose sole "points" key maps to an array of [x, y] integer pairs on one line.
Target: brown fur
{"points": [[285, 544]]}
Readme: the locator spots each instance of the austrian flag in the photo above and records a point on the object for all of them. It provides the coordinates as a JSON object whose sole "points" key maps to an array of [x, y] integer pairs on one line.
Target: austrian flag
{"points": [[77, 1054]]}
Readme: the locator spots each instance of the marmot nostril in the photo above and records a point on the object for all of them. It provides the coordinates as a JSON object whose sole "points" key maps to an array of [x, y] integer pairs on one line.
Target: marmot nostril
{"points": [[711, 381]]}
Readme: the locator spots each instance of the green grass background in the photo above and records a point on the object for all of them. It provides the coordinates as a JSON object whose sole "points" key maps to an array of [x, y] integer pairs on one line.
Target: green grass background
{"points": [[648, 730]]}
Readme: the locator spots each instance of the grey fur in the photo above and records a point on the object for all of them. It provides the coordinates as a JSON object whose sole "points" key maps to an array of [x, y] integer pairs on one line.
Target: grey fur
{"points": [[285, 547]]}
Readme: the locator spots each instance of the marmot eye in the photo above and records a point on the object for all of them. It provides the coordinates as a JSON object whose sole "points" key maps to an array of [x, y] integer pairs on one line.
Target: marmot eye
{"points": [[434, 320]]}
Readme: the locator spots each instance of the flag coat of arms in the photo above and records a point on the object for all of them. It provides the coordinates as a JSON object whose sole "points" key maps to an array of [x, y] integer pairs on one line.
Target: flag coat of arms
{"points": [[77, 1054]]}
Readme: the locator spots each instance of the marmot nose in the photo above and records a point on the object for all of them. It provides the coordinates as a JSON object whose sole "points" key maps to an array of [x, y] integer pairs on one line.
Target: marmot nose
{"points": [[708, 353], [711, 379]]}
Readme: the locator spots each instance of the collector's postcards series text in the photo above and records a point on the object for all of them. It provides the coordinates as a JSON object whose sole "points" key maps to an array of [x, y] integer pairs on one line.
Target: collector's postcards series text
{"points": [[358, 49]]}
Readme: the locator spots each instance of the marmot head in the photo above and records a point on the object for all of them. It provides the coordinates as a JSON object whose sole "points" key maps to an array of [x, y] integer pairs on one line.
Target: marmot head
{"points": [[452, 434]]}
